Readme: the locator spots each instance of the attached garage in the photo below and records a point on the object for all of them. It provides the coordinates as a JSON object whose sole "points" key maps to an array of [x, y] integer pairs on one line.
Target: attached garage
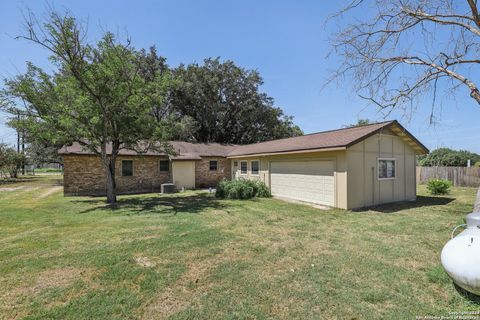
{"points": [[305, 180], [347, 168]]}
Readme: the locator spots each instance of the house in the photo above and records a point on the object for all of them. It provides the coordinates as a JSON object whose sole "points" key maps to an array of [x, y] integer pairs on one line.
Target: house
{"points": [[345, 168]]}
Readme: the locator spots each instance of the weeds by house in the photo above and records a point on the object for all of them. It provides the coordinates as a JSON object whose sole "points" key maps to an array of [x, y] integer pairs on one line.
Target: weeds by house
{"points": [[438, 186]]}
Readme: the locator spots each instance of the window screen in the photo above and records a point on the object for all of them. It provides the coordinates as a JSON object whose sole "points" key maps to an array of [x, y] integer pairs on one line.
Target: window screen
{"points": [[255, 166], [386, 169], [127, 168], [243, 167]]}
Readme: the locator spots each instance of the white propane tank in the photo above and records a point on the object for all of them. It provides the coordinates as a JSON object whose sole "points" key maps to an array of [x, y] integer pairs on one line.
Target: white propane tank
{"points": [[461, 255]]}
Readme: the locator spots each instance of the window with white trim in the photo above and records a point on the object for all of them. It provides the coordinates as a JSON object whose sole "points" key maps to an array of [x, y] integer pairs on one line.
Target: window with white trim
{"points": [[243, 167], [386, 169], [255, 164]]}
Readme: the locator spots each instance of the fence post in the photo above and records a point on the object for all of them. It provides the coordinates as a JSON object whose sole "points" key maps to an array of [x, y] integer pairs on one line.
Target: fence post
{"points": [[476, 205]]}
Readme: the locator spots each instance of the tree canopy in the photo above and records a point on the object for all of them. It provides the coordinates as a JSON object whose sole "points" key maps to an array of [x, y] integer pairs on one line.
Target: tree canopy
{"points": [[221, 102], [449, 158]]}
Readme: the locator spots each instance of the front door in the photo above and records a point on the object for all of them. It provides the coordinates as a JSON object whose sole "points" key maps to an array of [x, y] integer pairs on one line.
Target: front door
{"points": [[183, 173]]}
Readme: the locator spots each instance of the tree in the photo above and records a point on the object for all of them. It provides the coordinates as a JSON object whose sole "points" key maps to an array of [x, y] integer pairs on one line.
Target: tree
{"points": [[448, 157], [102, 96], [40, 147], [409, 48], [360, 123], [43, 152], [221, 102], [10, 160]]}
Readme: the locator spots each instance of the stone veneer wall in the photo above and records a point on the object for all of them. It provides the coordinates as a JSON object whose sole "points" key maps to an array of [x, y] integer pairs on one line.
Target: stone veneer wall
{"points": [[206, 178], [84, 175]]}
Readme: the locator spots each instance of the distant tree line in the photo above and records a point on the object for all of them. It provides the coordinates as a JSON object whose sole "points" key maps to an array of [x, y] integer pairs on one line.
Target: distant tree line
{"points": [[449, 158]]}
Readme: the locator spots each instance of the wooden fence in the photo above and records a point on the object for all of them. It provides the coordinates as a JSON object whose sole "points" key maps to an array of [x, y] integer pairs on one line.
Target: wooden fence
{"points": [[459, 176]]}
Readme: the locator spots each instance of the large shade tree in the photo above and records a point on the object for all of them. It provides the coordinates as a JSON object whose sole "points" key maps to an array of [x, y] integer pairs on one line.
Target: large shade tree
{"points": [[399, 52], [221, 102], [105, 96]]}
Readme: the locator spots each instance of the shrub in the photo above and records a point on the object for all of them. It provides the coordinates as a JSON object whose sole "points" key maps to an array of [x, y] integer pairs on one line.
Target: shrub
{"points": [[438, 186], [242, 189]]}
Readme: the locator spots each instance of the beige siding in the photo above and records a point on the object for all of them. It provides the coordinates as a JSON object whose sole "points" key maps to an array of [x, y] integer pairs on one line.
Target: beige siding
{"points": [[183, 173], [340, 175], [364, 187]]}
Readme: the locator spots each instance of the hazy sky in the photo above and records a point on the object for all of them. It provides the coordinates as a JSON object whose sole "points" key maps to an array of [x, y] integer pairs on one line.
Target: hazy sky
{"points": [[286, 41]]}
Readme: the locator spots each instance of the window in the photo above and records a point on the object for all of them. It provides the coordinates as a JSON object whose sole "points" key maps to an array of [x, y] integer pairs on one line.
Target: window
{"points": [[127, 168], [235, 163], [164, 165], [243, 167], [386, 169], [213, 165], [255, 165]]}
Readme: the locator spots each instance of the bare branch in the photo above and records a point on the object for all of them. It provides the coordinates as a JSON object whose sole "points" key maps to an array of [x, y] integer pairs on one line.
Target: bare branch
{"points": [[421, 16], [409, 50]]}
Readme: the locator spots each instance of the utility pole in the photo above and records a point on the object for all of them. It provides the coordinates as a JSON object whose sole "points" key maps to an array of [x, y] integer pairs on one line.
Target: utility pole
{"points": [[23, 154], [18, 134]]}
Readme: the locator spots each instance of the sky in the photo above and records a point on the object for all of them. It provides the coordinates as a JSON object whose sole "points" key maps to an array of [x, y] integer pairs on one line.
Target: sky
{"points": [[286, 41]]}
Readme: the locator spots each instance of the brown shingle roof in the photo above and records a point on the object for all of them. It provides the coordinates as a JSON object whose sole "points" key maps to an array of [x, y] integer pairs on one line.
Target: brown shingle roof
{"points": [[340, 138], [203, 149], [184, 150]]}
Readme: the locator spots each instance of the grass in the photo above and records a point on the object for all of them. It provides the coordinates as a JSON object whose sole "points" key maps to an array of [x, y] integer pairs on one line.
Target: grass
{"points": [[191, 256], [48, 170]]}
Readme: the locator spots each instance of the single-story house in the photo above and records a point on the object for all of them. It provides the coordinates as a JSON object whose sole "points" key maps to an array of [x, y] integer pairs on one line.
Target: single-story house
{"points": [[346, 168]]}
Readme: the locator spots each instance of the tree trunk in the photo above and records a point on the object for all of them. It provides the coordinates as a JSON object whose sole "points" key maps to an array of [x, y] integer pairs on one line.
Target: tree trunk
{"points": [[13, 173], [109, 166]]}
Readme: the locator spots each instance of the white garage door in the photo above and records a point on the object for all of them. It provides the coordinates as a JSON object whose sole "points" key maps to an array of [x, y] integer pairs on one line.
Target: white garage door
{"points": [[310, 181]]}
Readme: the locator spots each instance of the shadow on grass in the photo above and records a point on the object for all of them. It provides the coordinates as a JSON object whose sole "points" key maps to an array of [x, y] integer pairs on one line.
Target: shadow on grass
{"points": [[422, 201], [159, 204], [467, 295]]}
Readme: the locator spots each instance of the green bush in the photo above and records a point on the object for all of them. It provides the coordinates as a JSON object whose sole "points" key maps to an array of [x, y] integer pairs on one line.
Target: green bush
{"points": [[438, 186], [242, 189]]}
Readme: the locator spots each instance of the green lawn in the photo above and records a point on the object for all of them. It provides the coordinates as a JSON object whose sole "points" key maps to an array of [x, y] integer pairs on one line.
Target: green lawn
{"points": [[190, 256]]}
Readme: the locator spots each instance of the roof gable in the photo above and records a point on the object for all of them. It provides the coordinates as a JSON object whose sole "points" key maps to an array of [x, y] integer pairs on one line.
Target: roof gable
{"points": [[328, 140]]}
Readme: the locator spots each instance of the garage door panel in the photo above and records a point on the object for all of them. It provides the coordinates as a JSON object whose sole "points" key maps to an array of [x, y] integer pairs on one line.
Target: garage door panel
{"points": [[316, 168], [311, 181]]}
